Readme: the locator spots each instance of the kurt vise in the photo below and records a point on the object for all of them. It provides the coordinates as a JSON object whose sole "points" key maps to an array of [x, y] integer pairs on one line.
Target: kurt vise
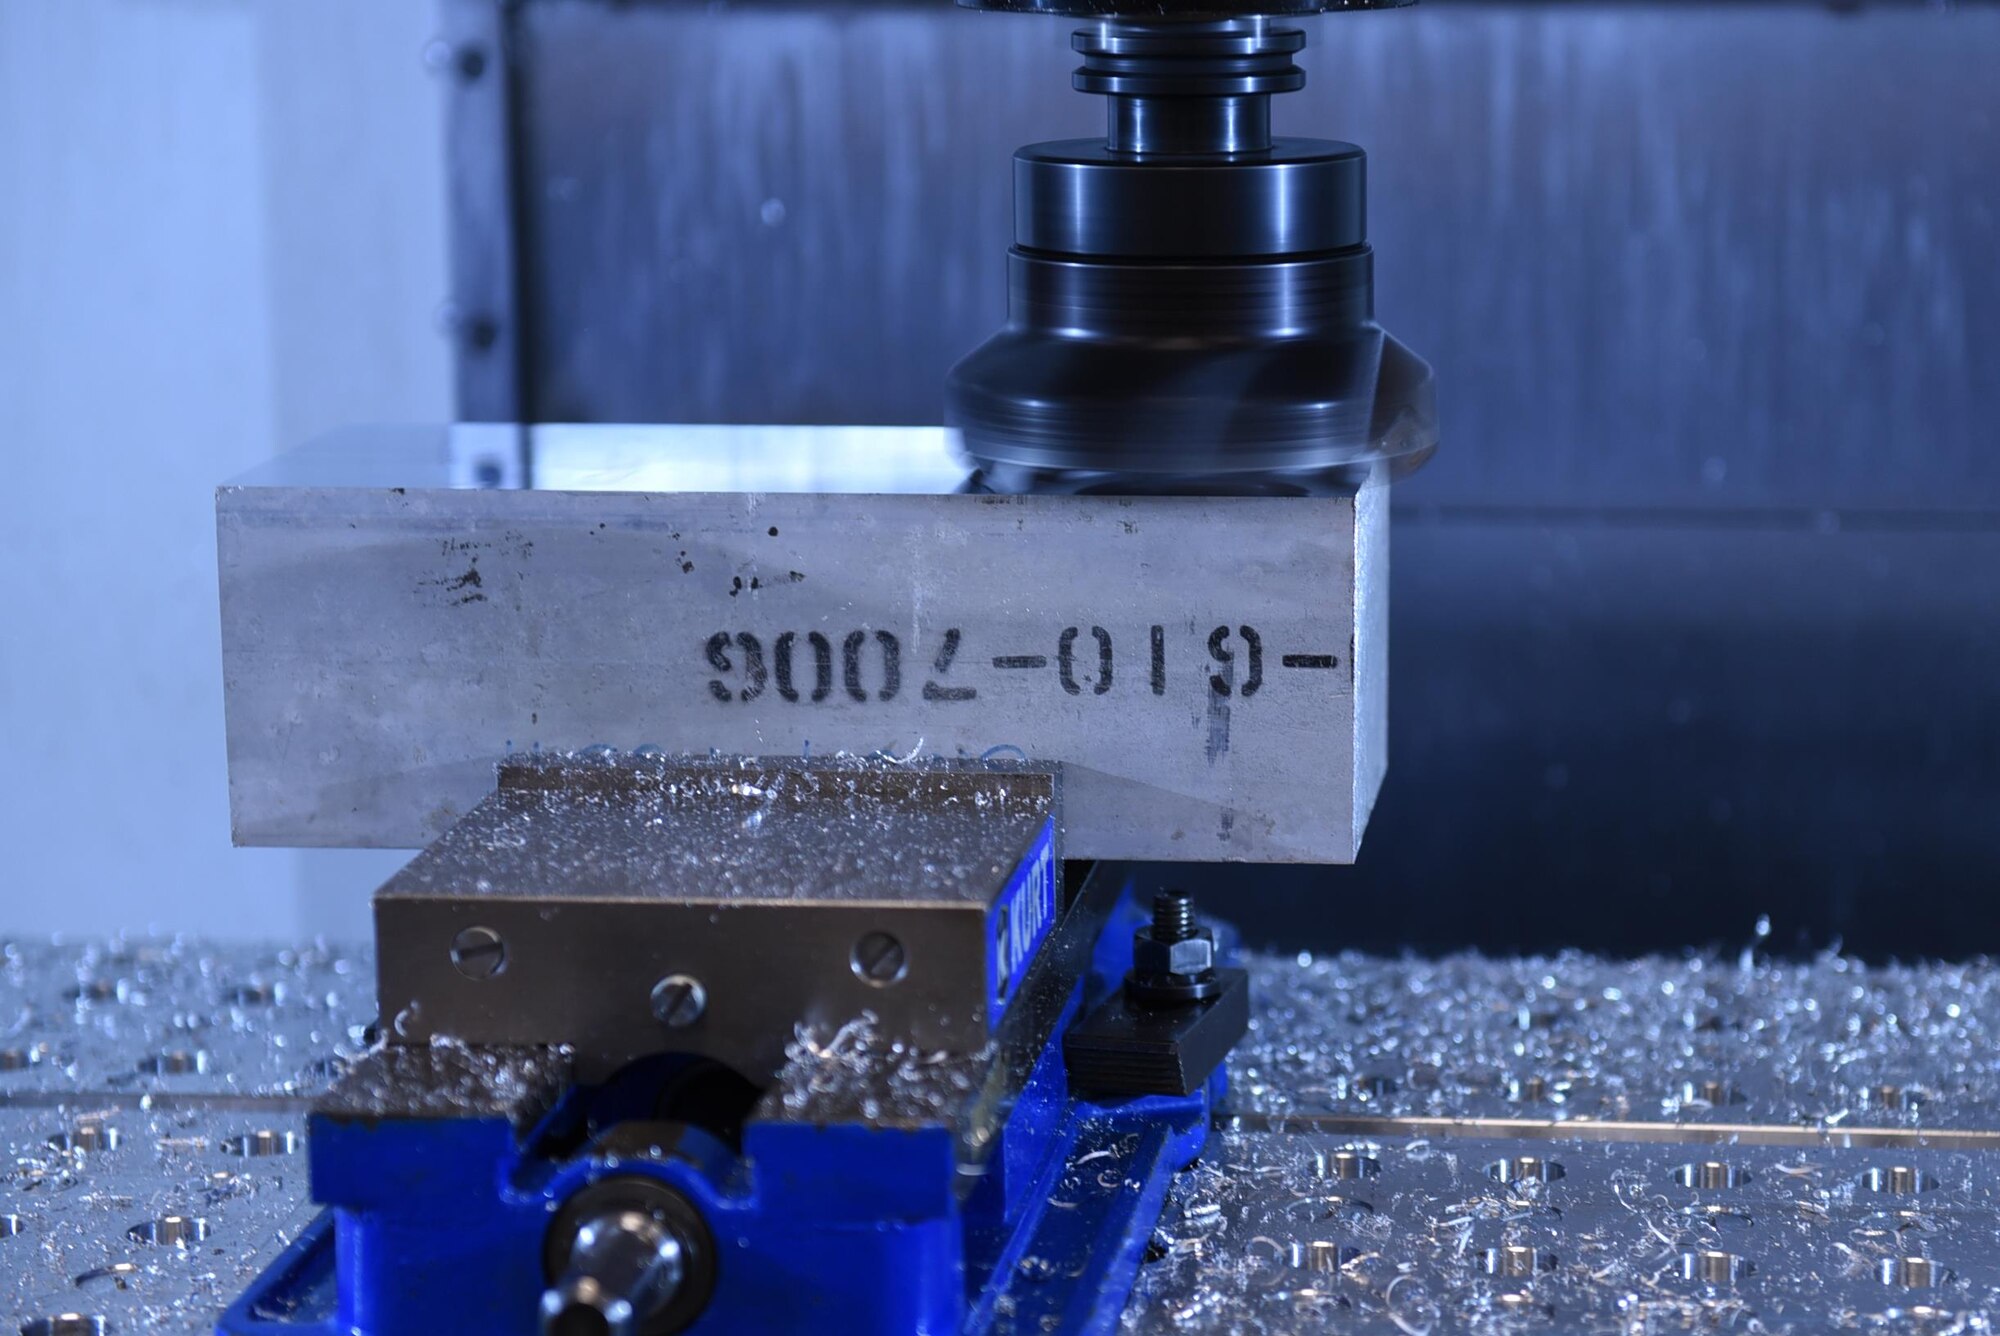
{"points": [[804, 970], [830, 995], [745, 1045]]}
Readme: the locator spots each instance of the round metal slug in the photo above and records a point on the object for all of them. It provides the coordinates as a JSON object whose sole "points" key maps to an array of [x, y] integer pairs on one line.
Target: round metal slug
{"points": [[1911, 1273], [1537, 1016], [1897, 1180], [262, 1142], [170, 1231], [467, 62], [1515, 1260], [87, 1138], [1369, 1086], [1327, 1256], [1711, 1091], [1891, 1098], [1525, 1169], [1710, 1175], [66, 1324], [1527, 1089], [1712, 1266], [1345, 1165], [176, 1062], [96, 990], [19, 1059]]}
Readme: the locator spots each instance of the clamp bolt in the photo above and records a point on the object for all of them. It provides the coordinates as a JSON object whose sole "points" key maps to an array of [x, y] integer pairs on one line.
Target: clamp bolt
{"points": [[1173, 960], [1173, 916]]}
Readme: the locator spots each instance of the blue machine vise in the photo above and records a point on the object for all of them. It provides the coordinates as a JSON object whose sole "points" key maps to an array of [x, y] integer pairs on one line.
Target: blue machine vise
{"points": [[985, 1070]]}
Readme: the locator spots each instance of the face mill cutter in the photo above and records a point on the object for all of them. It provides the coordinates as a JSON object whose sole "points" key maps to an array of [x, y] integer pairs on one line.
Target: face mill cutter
{"points": [[821, 998]]}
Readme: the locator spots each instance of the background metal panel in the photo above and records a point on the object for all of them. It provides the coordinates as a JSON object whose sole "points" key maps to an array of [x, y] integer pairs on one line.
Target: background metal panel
{"points": [[482, 317], [222, 229], [1617, 736]]}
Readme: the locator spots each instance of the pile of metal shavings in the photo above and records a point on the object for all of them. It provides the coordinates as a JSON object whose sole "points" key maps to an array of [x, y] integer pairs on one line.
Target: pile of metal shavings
{"points": [[1829, 1043], [1277, 1233], [152, 1098], [165, 1019], [146, 1220], [449, 1078], [857, 1070], [1565, 1144], [731, 829]]}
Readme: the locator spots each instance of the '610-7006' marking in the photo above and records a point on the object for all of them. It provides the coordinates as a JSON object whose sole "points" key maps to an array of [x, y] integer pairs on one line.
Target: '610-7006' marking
{"points": [[866, 664]]}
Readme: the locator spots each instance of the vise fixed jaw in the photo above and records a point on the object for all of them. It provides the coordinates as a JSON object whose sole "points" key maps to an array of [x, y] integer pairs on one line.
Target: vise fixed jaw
{"points": [[903, 927], [712, 907]]}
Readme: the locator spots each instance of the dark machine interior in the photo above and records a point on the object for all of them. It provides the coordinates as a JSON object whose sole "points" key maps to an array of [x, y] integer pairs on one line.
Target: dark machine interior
{"points": [[1693, 614]]}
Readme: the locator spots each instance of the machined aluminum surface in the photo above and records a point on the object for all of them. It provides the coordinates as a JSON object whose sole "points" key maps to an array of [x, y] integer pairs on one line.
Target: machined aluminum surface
{"points": [[1210, 669], [1461, 1144]]}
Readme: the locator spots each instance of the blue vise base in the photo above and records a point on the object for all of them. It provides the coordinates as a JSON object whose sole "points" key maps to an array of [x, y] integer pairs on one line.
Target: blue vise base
{"points": [[874, 1189]]}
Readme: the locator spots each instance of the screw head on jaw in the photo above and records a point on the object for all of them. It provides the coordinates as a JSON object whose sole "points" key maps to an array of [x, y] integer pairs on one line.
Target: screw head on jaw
{"points": [[679, 1001]]}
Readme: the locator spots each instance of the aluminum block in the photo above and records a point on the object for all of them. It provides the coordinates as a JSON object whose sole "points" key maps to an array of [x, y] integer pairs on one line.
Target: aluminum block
{"points": [[402, 609]]}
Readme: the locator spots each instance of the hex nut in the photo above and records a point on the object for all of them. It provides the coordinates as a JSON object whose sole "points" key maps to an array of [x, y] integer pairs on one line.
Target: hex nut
{"points": [[1190, 955]]}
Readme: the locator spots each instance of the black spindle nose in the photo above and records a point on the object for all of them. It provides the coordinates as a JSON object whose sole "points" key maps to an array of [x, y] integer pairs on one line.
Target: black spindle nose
{"points": [[1190, 297]]}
